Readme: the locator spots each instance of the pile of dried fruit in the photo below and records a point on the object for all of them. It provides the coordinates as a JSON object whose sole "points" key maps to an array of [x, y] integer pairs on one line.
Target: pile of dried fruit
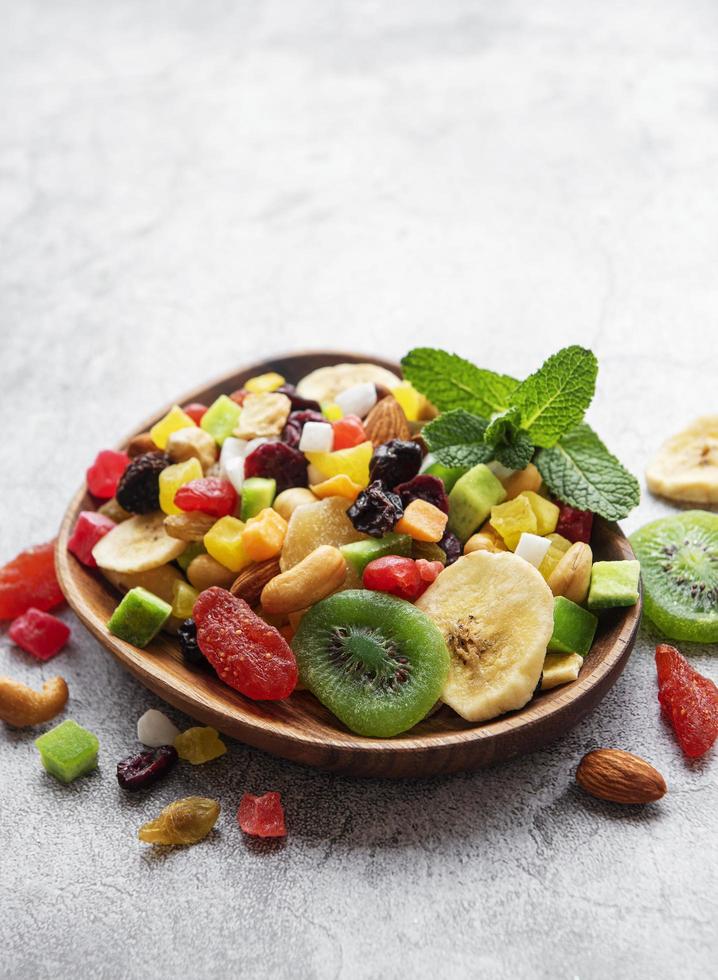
{"points": [[282, 532]]}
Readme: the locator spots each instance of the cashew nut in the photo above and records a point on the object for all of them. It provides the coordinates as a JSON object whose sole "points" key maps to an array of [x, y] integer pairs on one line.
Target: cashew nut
{"points": [[192, 441], [20, 705], [572, 576], [263, 415], [314, 578]]}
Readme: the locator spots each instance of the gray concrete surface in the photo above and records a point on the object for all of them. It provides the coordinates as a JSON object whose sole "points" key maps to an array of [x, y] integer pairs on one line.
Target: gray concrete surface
{"points": [[187, 186]]}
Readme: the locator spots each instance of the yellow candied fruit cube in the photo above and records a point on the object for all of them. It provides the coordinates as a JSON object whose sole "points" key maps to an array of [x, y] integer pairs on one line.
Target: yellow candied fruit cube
{"points": [[353, 462], [174, 477], [422, 521], [546, 512], [173, 421], [263, 535], [337, 486], [224, 542], [332, 412], [183, 599], [263, 383], [512, 519], [558, 548], [409, 399]]}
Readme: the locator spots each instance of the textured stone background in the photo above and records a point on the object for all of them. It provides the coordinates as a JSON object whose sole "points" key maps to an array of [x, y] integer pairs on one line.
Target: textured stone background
{"points": [[187, 186]]}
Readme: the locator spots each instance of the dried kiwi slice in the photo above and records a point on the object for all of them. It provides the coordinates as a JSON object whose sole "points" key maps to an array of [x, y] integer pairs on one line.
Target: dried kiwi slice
{"points": [[376, 662], [679, 565]]}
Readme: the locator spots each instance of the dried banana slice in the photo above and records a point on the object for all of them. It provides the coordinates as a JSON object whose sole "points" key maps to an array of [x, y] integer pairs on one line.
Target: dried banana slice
{"points": [[324, 384], [137, 545], [686, 466], [496, 613]]}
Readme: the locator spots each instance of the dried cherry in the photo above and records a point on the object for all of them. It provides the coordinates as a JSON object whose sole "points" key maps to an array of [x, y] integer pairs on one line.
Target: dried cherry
{"points": [[376, 510], [191, 653], [451, 546], [278, 461], [141, 770], [396, 461], [247, 653], [209, 495], [298, 403], [574, 524], [689, 701], [424, 487], [397, 576]]}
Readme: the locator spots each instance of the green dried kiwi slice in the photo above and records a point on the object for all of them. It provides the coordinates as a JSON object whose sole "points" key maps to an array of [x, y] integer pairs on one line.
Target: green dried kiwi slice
{"points": [[376, 662], [679, 566]]}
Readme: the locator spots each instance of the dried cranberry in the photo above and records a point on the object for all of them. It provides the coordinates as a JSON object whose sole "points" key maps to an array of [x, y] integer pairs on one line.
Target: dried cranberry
{"points": [[575, 525], [292, 432], [396, 461], [424, 487], [451, 546], [376, 510], [278, 461], [137, 771], [689, 701], [191, 653], [139, 489], [298, 403]]}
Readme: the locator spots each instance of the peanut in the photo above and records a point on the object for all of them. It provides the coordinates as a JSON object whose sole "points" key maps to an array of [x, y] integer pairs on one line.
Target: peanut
{"points": [[205, 571], [572, 576], [314, 578], [141, 444], [286, 502], [526, 479], [189, 527], [21, 705], [192, 441]]}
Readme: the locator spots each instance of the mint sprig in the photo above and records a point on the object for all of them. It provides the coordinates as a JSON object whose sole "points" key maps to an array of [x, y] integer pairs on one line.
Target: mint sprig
{"points": [[582, 472], [488, 416]]}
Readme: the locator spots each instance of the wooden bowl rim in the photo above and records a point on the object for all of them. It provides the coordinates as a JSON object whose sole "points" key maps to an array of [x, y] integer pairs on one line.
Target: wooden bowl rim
{"points": [[553, 704]]}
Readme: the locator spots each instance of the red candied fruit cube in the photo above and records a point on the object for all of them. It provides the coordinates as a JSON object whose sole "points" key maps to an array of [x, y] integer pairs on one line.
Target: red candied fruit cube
{"points": [[429, 570], [689, 701], [29, 580], [104, 474], [239, 395], [89, 528], [398, 576], [348, 432], [575, 525], [209, 495], [195, 410], [262, 816], [39, 634]]}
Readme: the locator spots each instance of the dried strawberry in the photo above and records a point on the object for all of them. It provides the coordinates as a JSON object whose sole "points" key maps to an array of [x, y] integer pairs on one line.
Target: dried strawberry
{"points": [[30, 580], [247, 653], [262, 816], [573, 524], [276, 460], [208, 495], [689, 701]]}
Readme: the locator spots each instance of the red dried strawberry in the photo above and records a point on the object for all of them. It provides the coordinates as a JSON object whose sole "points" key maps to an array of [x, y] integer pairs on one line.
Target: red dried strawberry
{"points": [[247, 653], [689, 701]]}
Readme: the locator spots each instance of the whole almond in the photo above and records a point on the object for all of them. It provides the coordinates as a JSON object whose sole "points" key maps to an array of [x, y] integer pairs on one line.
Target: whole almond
{"points": [[386, 421], [251, 580], [619, 777], [141, 444]]}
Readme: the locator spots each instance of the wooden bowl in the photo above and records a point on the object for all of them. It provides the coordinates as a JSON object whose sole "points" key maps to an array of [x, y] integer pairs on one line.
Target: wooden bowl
{"points": [[300, 728]]}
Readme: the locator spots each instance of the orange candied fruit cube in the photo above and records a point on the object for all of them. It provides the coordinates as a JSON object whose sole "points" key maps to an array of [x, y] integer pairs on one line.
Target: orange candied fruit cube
{"points": [[337, 486], [422, 521], [263, 535]]}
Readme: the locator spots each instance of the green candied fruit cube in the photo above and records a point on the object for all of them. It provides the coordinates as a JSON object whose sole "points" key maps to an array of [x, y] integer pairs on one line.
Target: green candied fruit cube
{"points": [[448, 474], [258, 492], [614, 583], [573, 628], [192, 551], [139, 617], [221, 418], [358, 554], [68, 751]]}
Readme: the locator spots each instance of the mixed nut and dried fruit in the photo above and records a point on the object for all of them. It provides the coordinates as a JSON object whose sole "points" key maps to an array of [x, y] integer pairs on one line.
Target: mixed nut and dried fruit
{"points": [[387, 544]]}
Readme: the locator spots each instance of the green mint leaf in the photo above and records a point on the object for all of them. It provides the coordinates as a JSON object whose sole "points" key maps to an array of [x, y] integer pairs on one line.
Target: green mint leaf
{"points": [[503, 426], [580, 471], [516, 453], [456, 438], [554, 399], [449, 382]]}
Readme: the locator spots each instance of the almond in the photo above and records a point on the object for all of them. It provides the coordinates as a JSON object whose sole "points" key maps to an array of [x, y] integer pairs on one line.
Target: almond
{"points": [[386, 421], [251, 580], [620, 777]]}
